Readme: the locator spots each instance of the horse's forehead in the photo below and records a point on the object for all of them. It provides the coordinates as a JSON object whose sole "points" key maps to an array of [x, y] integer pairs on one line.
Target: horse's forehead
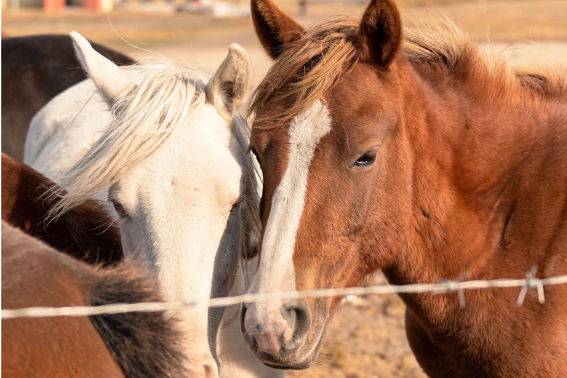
{"points": [[308, 127], [286, 147], [203, 153], [207, 138], [359, 96]]}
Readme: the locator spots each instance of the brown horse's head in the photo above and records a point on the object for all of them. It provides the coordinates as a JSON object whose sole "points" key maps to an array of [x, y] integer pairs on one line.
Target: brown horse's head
{"points": [[328, 135]]}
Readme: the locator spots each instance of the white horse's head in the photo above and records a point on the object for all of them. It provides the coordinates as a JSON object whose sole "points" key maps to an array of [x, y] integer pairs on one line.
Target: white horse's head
{"points": [[173, 163]]}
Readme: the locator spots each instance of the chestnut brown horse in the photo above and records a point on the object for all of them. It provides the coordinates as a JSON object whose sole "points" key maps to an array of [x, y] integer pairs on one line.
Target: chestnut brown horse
{"points": [[86, 232], [118, 345], [411, 153], [35, 69]]}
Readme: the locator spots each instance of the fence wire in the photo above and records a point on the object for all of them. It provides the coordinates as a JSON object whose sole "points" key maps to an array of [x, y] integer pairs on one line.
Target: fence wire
{"points": [[446, 286]]}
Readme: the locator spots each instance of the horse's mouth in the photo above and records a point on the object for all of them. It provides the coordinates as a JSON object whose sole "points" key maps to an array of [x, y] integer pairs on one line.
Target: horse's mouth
{"points": [[297, 366], [291, 365]]}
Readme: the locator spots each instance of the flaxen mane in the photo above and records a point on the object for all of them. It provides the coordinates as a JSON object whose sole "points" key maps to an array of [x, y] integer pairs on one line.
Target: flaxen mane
{"points": [[167, 95], [250, 213], [311, 65]]}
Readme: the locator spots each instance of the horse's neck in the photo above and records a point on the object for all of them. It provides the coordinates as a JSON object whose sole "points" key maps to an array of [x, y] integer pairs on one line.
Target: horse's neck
{"points": [[65, 129], [478, 155]]}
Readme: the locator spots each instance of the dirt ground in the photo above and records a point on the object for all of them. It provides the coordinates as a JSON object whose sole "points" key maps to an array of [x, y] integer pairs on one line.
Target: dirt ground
{"points": [[367, 338]]}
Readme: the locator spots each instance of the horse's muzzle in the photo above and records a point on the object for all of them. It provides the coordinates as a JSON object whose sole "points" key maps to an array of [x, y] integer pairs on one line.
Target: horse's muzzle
{"points": [[277, 333]]}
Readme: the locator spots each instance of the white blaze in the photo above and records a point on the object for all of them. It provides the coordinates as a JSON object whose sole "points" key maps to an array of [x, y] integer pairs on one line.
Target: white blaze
{"points": [[276, 272]]}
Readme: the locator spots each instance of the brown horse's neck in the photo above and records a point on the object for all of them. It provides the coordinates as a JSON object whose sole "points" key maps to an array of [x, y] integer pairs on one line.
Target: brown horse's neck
{"points": [[485, 159]]}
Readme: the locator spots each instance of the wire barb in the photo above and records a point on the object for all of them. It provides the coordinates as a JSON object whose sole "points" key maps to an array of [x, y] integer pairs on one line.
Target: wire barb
{"points": [[532, 282], [455, 286]]}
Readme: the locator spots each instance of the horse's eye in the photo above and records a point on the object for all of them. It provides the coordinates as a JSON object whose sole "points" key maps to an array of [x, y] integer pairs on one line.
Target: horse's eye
{"points": [[118, 207], [365, 159], [236, 205]]}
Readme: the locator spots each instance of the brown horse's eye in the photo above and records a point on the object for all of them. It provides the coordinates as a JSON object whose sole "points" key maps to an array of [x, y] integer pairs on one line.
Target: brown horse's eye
{"points": [[365, 159]]}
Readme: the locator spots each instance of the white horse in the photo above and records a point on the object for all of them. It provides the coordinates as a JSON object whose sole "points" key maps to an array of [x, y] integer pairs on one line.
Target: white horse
{"points": [[169, 159]]}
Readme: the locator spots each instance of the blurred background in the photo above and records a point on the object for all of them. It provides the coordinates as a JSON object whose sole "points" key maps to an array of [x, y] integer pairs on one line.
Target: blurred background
{"points": [[367, 338], [198, 32]]}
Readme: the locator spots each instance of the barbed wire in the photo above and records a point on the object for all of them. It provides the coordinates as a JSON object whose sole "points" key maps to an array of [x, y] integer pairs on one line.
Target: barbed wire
{"points": [[444, 286]]}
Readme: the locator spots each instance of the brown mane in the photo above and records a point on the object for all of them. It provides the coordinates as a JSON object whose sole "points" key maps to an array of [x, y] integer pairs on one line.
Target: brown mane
{"points": [[443, 48], [311, 65]]}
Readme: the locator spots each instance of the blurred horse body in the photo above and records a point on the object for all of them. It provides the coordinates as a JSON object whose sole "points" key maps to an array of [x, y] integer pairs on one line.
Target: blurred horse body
{"points": [[34, 70], [120, 345]]}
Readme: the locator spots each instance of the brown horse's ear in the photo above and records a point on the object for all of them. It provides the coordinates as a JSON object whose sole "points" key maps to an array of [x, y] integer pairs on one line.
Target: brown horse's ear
{"points": [[273, 27], [381, 31]]}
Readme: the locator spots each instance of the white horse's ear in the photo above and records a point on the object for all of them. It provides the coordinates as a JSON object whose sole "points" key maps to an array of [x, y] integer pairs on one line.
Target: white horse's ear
{"points": [[230, 86], [109, 79]]}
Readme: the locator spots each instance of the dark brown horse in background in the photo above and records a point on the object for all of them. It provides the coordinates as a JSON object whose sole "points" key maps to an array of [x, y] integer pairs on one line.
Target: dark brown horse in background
{"points": [[118, 345], [85, 232], [411, 153], [34, 70]]}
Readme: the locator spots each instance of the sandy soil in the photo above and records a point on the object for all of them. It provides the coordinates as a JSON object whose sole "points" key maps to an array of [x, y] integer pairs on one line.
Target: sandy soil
{"points": [[367, 338]]}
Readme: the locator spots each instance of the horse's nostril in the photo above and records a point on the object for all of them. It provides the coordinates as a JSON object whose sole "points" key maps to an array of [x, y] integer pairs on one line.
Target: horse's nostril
{"points": [[297, 315], [302, 313], [288, 313]]}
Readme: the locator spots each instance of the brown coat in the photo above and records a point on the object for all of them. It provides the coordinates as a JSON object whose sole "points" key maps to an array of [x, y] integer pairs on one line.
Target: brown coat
{"points": [[119, 345], [85, 232]]}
